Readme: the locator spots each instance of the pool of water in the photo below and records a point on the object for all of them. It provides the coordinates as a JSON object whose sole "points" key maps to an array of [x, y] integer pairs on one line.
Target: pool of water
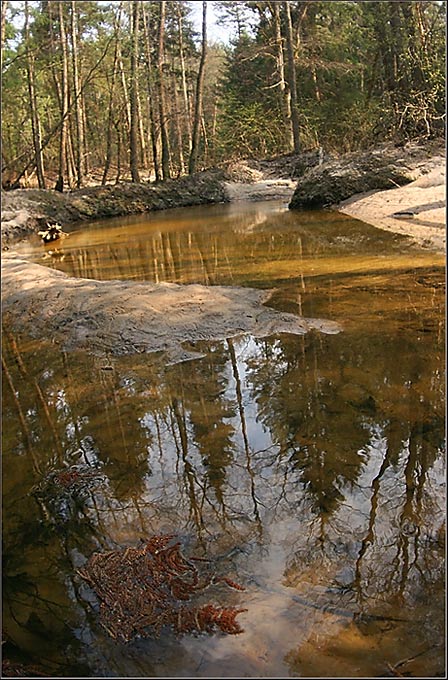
{"points": [[309, 469]]}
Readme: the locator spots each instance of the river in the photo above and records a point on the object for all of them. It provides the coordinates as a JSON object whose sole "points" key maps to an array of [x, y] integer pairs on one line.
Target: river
{"points": [[307, 468]]}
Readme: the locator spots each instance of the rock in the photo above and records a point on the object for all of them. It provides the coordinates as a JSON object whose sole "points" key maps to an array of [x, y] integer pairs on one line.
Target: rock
{"points": [[338, 179]]}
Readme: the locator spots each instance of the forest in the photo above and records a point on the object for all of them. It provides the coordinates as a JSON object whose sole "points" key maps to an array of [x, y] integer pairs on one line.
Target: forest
{"points": [[99, 92]]}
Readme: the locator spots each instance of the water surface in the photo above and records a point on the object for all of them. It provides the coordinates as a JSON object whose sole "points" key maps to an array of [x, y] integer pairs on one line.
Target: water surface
{"points": [[310, 469]]}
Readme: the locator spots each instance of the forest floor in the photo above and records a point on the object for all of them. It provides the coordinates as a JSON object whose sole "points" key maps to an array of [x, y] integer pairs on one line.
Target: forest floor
{"points": [[117, 317]]}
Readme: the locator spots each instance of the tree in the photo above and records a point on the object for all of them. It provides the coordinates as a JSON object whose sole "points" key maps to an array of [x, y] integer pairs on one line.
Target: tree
{"points": [[192, 165], [292, 78], [134, 122], [166, 156], [63, 139], [35, 119], [79, 113]]}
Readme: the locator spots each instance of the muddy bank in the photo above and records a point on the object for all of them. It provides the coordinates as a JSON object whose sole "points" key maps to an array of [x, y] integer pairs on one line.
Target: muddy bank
{"points": [[24, 211], [389, 167], [122, 317]]}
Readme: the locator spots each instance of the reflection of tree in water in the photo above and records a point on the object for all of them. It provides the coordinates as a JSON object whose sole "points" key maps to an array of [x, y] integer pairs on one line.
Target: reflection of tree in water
{"points": [[360, 421], [409, 563], [296, 391], [200, 387], [181, 445]]}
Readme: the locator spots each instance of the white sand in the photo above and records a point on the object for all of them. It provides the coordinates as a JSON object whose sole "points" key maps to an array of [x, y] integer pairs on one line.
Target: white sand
{"points": [[425, 198]]}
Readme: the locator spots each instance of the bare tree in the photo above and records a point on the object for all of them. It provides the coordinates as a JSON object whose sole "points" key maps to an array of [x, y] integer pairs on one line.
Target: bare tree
{"points": [[192, 165], [150, 101], [63, 165], [79, 114], [183, 75], [35, 120], [110, 116], [285, 95], [292, 77], [134, 124], [4, 6], [161, 86]]}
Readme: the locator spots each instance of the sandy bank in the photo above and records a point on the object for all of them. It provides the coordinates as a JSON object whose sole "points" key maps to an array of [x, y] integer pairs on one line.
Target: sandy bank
{"points": [[423, 199], [122, 317]]}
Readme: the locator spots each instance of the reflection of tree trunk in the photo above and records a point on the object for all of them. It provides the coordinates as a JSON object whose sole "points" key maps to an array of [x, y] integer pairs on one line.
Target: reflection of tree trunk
{"points": [[239, 397], [23, 423], [40, 395], [194, 505], [369, 536]]}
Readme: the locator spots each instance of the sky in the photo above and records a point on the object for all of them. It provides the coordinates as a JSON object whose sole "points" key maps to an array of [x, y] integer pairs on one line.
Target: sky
{"points": [[214, 32]]}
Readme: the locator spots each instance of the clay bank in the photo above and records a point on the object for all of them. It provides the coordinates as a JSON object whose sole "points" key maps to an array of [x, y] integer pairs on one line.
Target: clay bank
{"points": [[117, 317]]}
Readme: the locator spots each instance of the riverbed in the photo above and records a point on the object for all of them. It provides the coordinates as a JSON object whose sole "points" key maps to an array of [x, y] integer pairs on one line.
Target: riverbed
{"points": [[299, 447]]}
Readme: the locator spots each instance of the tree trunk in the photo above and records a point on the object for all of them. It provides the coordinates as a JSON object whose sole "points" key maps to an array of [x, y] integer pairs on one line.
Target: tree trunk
{"points": [[79, 117], [177, 120], [285, 95], [134, 128], [141, 132], [125, 89], [118, 131], [192, 166], [292, 79], [150, 100], [162, 106], [64, 102], [35, 121], [111, 101], [184, 76], [3, 27]]}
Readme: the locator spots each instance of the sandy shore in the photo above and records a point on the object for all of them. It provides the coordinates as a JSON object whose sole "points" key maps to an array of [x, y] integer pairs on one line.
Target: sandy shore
{"points": [[424, 200], [121, 317]]}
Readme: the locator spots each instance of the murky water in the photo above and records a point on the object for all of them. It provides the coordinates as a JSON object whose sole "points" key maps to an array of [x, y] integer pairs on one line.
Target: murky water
{"points": [[309, 469]]}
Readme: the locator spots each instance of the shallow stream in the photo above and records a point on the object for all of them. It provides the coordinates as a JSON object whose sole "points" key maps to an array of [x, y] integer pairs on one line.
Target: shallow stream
{"points": [[309, 469]]}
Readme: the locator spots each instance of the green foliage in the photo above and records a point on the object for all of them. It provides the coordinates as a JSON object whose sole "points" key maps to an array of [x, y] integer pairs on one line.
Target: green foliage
{"points": [[247, 130], [366, 71]]}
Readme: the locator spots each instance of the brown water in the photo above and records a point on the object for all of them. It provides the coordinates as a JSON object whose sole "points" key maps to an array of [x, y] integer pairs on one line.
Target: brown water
{"points": [[310, 469]]}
